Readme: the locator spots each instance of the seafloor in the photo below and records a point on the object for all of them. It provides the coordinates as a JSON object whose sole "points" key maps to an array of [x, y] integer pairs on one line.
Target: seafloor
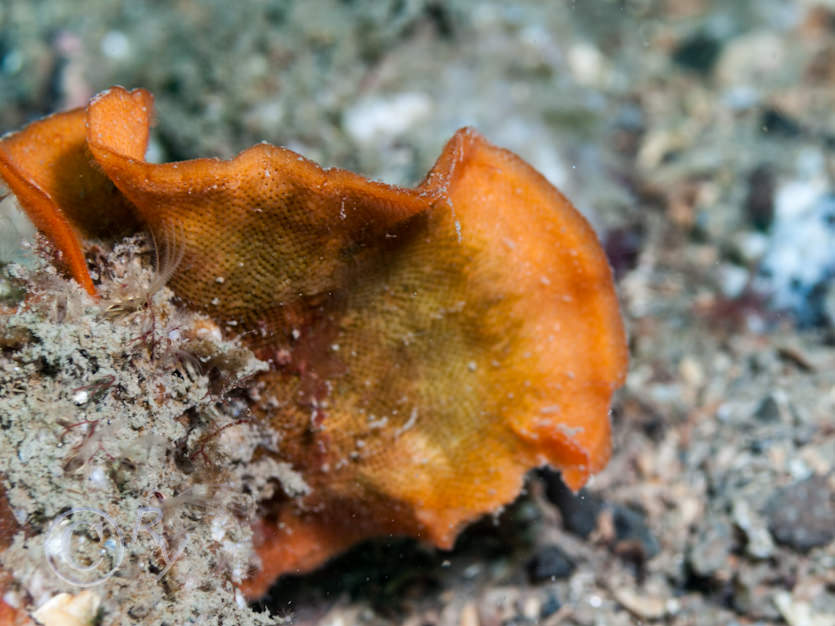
{"points": [[697, 136]]}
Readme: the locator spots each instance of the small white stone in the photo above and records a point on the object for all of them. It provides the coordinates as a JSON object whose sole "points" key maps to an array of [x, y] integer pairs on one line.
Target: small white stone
{"points": [[587, 63], [12, 599], [798, 469], [219, 528], [115, 45], [751, 245], [376, 119], [646, 606], [80, 397], [798, 613], [68, 610], [98, 476], [733, 279]]}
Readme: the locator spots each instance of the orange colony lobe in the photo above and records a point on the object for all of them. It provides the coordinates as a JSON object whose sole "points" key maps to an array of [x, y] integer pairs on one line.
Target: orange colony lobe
{"points": [[48, 167], [428, 346], [540, 256], [257, 233]]}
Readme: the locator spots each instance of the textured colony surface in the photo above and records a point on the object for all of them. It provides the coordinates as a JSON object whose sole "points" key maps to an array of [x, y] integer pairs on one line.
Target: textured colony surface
{"points": [[427, 346]]}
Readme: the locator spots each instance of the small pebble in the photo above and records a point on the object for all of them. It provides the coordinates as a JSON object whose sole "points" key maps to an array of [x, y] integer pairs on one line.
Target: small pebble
{"points": [[68, 610], [376, 119], [579, 511], [631, 526], [733, 280], [759, 205], [115, 46], [769, 410], [642, 605], [760, 545], [711, 548], [797, 613], [469, 615], [751, 594], [550, 605], [698, 52], [623, 248], [548, 564], [802, 515]]}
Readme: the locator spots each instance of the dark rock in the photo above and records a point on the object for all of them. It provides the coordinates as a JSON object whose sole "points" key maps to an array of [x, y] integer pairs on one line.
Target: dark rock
{"points": [[631, 526], [623, 247], [549, 564], [550, 605], [632, 538], [579, 511], [768, 410], [759, 205], [698, 52], [802, 515], [778, 123]]}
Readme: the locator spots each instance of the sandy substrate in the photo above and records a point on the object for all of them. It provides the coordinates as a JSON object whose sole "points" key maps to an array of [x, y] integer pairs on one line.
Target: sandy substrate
{"points": [[699, 139]]}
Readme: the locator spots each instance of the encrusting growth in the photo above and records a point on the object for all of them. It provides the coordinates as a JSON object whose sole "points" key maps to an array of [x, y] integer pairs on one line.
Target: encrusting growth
{"points": [[428, 346]]}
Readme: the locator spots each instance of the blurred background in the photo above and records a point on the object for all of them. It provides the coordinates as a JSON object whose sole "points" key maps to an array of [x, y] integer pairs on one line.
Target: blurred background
{"points": [[698, 137]]}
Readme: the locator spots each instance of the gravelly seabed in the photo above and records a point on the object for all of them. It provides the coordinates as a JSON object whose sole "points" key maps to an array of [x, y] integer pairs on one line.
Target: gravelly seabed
{"points": [[698, 136]]}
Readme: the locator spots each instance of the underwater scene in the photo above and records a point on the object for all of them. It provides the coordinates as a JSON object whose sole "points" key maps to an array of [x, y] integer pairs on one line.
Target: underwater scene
{"points": [[420, 312]]}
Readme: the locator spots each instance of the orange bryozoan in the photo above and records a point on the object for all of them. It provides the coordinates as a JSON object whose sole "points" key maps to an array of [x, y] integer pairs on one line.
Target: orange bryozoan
{"points": [[428, 346]]}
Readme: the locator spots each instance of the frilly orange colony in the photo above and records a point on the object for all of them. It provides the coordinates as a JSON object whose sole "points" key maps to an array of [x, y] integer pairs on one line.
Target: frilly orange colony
{"points": [[428, 346]]}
